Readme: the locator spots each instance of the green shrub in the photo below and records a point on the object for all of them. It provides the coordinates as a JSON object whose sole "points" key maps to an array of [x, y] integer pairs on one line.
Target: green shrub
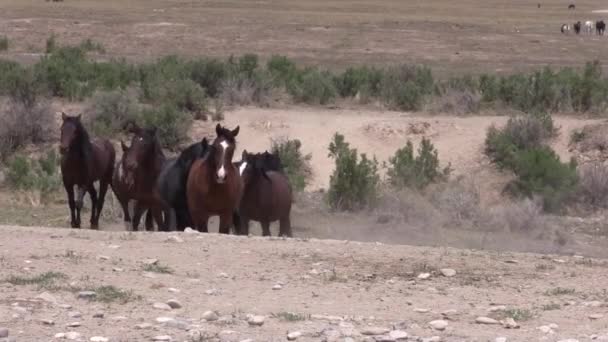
{"points": [[283, 70], [208, 73], [172, 124], [540, 172], [409, 171], [406, 87], [109, 112], [51, 44], [67, 73], [22, 124], [91, 46], [3, 43], [295, 164], [362, 80], [23, 87], [34, 175], [354, 182], [313, 87], [187, 95]]}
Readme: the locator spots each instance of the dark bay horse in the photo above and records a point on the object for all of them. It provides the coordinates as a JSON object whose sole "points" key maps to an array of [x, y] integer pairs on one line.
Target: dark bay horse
{"points": [[122, 191], [82, 163], [142, 164], [214, 185], [267, 194], [172, 184]]}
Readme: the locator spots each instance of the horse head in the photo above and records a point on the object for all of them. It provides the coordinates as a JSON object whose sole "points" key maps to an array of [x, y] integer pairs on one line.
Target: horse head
{"points": [[71, 132], [144, 145], [223, 146]]}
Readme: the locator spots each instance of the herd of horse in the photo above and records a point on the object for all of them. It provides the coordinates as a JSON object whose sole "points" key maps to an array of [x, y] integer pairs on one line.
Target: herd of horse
{"points": [[175, 193], [587, 27]]}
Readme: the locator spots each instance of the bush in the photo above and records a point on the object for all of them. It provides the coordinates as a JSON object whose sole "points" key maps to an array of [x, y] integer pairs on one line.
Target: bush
{"points": [[186, 95], [240, 90], [593, 185], [354, 182], [283, 70], [3, 43], [540, 172], [295, 164], [89, 45], [172, 124], [362, 81], [459, 200], [39, 176], [67, 73], [23, 87], [520, 217], [22, 124], [109, 112], [409, 171], [406, 87], [208, 73], [51, 44], [313, 87]]}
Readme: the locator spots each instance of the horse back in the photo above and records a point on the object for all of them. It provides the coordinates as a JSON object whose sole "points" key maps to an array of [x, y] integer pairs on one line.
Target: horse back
{"points": [[268, 199]]}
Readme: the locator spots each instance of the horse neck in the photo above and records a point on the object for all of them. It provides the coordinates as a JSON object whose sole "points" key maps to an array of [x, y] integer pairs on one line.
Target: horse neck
{"points": [[148, 173], [81, 154]]}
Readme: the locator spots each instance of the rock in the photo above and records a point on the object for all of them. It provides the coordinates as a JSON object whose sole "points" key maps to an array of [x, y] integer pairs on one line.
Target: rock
{"points": [[99, 314], [223, 275], [256, 320], [486, 320], [60, 335], [398, 335], [595, 316], [74, 325], [545, 329], [74, 314], [419, 310], [99, 339], [143, 326], [372, 331], [47, 321], [117, 269], [510, 323], [47, 297], [593, 304], [174, 304], [190, 231], [424, 276], [65, 306], [448, 272], [210, 316], [497, 308], [72, 335], [103, 257], [162, 338], [161, 306], [86, 294], [382, 338], [439, 324], [3, 332], [163, 320], [277, 287], [150, 261], [553, 326], [212, 292], [292, 336], [432, 339], [119, 318], [451, 312], [114, 246], [500, 339], [173, 290], [175, 239], [178, 324]]}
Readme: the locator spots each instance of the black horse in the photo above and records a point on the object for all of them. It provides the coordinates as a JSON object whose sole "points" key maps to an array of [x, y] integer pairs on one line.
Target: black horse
{"points": [[571, 6], [577, 27], [600, 27], [172, 185]]}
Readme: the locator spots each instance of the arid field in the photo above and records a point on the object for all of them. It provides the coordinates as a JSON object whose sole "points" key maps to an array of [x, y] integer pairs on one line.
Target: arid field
{"points": [[460, 261]]}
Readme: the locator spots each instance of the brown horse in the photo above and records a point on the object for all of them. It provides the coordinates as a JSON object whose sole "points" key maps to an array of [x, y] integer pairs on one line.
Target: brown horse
{"points": [[214, 185], [142, 164], [82, 163], [122, 191], [267, 194]]}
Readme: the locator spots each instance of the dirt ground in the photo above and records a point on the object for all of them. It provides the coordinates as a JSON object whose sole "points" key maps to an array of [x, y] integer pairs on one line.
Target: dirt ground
{"points": [[451, 36]]}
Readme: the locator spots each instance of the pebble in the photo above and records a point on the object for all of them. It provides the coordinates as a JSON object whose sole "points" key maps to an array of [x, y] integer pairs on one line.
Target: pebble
{"points": [[47, 322], [175, 239], [74, 314], [448, 272], [497, 308], [372, 331], [144, 326], [150, 261], [450, 312], [190, 231], [72, 335], [119, 318], [277, 287], [432, 339], [419, 310], [398, 335], [164, 319], [424, 276], [86, 294], [174, 304], [99, 314], [292, 336], [223, 275], [500, 339], [65, 306], [545, 329], [3, 332], [210, 316], [595, 316], [118, 269], [47, 297], [439, 324], [173, 290], [256, 320], [114, 246], [99, 339], [178, 324], [74, 324], [593, 304], [163, 338], [486, 320], [161, 306], [510, 323], [103, 257], [212, 292]]}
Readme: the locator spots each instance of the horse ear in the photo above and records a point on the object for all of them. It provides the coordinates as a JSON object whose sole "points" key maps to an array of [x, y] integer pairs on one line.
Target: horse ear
{"points": [[78, 116], [235, 131], [123, 146], [64, 116], [244, 155], [218, 129], [205, 142]]}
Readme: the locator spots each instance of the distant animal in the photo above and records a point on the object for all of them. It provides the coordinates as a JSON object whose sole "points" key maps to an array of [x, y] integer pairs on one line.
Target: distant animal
{"points": [[571, 6], [122, 191], [589, 26], [267, 194], [172, 185], [538, 5], [577, 27], [142, 165], [84, 161], [600, 27], [214, 184], [565, 28]]}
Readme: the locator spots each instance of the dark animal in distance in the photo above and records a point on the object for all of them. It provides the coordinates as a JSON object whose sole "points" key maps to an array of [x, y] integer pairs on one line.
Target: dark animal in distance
{"points": [[172, 184], [122, 191], [571, 6], [214, 185], [600, 27], [577, 27], [267, 194], [142, 165], [82, 163], [538, 5], [565, 28]]}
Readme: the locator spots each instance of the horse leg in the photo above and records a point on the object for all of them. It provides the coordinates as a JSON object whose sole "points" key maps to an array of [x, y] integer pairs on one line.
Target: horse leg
{"points": [[79, 202], [137, 212], [236, 222], [265, 228], [69, 189], [94, 206], [200, 221], [225, 222], [149, 222], [285, 226], [171, 219], [244, 225], [157, 213], [103, 189], [125, 212]]}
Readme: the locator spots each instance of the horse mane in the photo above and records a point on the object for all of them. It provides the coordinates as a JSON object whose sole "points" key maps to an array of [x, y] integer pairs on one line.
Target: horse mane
{"points": [[83, 144]]}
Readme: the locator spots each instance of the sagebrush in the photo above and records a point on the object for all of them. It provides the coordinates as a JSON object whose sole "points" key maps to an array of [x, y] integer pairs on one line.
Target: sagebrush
{"points": [[295, 163]]}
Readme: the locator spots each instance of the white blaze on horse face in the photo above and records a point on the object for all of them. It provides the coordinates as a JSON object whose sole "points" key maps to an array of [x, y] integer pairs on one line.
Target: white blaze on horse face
{"points": [[221, 173], [242, 168]]}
